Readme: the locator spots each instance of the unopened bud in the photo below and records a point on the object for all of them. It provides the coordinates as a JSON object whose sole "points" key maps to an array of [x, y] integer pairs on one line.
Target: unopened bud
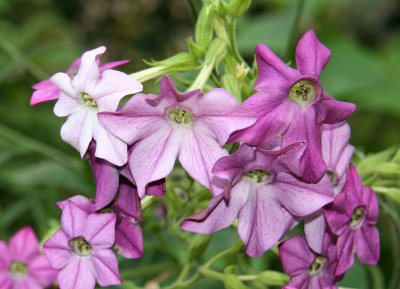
{"points": [[238, 7], [233, 282], [194, 49], [273, 278], [204, 26], [216, 51], [230, 83]]}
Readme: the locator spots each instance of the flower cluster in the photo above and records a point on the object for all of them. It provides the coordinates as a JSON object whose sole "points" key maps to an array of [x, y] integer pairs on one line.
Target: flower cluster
{"points": [[292, 165]]}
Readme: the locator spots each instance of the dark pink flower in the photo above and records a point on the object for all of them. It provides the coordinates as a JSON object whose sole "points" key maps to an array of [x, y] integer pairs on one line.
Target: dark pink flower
{"points": [[22, 266], [337, 153], [47, 90], [307, 269], [353, 217], [192, 127], [291, 104], [81, 249], [263, 195]]}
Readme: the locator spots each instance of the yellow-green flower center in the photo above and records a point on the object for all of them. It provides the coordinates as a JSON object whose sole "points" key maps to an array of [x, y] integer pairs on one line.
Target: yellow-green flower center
{"points": [[80, 247], [333, 177], [18, 269], [303, 92], [88, 100], [106, 210], [358, 217], [258, 176], [180, 116], [317, 266]]}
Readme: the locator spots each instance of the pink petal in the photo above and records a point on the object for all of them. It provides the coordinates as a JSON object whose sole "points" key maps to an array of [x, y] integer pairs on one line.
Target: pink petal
{"points": [[311, 55], [332, 111], [100, 230], [154, 157], [73, 220], [63, 82], [346, 250], [370, 199], [271, 69], [78, 274], [262, 222], [5, 258], [128, 202], [57, 250], [168, 92], [113, 64], [106, 266], [129, 240], [26, 283], [6, 281], [24, 244], [367, 245], [45, 91], [81, 202], [337, 217], [88, 72], [314, 230], [295, 255], [41, 272], [199, 152], [299, 198], [109, 147], [112, 87], [219, 214]]}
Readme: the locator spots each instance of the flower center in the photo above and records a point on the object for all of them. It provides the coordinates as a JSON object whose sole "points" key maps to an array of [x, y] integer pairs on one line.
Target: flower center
{"points": [[80, 247], [333, 177], [317, 266], [258, 176], [358, 217], [106, 210], [18, 269], [303, 92], [88, 100], [180, 116]]}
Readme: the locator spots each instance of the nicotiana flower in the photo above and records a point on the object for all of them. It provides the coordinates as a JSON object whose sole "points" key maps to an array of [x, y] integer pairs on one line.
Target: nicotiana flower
{"points": [[22, 266], [291, 104], [110, 177], [263, 195], [86, 94], [307, 269], [192, 127], [47, 90], [353, 217], [81, 249], [337, 153]]}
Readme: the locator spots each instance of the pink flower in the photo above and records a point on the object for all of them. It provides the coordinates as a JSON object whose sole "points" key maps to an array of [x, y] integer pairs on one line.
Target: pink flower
{"points": [[307, 269], [291, 104], [81, 249], [337, 153], [86, 94], [353, 217], [22, 266], [192, 127], [46, 90], [263, 195]]}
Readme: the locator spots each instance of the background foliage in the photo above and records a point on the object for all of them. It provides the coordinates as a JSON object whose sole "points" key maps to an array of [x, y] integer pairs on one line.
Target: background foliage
{"points": [[41, 37]]}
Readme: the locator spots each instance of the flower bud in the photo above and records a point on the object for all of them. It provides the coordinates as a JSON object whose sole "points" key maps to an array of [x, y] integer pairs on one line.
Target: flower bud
{"points": [[230, 83], [204, 26], [237, 7], [216, 51], [273, 278], [195, 49], [233, 282]]}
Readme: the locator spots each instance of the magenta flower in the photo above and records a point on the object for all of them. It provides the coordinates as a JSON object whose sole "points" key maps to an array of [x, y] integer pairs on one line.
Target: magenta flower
{"points": [[337, 153], [192, 127], [291, 104], [110, 177], [352, 218], [22, 266], [267, 200], [86, 94], [46, 90], [81, 249], [307, 269]]}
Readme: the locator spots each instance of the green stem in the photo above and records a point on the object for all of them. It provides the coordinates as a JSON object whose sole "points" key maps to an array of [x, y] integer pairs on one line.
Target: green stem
{"points": [[231, 250], [147, 201], [202, 77], [146, 270], [233, 42], [184, 273], [44, 149], [211, 274], [149, 73]]}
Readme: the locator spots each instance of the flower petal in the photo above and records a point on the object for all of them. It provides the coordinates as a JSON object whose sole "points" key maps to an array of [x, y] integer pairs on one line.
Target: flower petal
{"points": [[45, 91], [73, 220], [129, 239], [332, 111], [6, 281], [128, 202], [57, 250], [81, 202], [367, 245], [41, 271], [106, 265], [346, 250], [311, 55], [295, 255], [24, 244], [100, 230], [5, 258], [314, 231], [78, 274], [113, 64]]}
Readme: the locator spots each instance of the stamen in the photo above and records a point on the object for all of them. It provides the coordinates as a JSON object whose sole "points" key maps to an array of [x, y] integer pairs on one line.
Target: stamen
{"points": [[106, 210], [180, 116], [358, 217], [80, 247], [258, 175], [88, 100], [303, 92], [317, 266], [18, 269]]}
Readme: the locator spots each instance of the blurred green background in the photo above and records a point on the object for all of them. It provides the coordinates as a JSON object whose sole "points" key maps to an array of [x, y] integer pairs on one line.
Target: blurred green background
{"points": [[41, 37]]}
